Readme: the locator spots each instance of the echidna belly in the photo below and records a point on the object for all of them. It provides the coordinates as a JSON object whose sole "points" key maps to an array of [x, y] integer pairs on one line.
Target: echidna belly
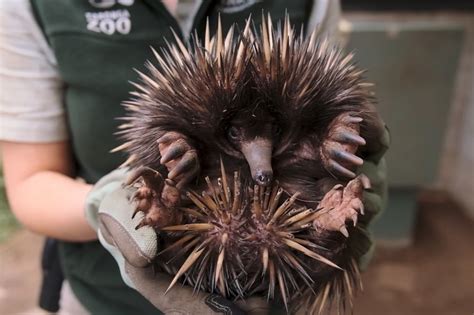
{"points": [[239, 240]]}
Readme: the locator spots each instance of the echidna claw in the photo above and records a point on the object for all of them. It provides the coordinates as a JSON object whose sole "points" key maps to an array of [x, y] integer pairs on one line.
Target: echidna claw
{"points": [[344, 231], [135, 212], [141, 224], [189, 161], [347, 157], [365, 181], [339, 149], [336, 167], [354, 219], [174, 151], [349, 137], [354, 119]]}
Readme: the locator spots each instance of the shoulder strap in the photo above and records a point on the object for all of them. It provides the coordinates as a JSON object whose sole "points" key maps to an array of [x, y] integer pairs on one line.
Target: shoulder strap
{"points": [[36, 15]]}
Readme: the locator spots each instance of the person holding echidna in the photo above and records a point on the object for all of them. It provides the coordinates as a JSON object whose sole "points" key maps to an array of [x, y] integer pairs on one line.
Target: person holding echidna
{"points": [[65, 71]]}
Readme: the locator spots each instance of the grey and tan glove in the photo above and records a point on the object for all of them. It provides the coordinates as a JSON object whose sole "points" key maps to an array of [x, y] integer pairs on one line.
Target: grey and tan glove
{"points": [[109, 211]]}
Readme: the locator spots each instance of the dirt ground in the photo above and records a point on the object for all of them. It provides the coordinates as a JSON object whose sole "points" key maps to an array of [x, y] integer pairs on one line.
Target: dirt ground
{"points": [[435, 276]]}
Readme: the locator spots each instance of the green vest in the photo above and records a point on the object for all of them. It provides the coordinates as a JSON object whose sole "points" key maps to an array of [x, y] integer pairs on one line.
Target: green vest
{"points": [[97, 45]]}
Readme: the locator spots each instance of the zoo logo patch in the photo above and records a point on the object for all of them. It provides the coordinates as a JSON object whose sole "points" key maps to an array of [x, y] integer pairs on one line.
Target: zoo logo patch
{"points": [[109, 22], [232, 6]]}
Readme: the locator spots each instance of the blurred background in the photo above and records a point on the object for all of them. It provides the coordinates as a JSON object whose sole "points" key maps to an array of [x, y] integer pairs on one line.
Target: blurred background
{"points": [[420, 55]]}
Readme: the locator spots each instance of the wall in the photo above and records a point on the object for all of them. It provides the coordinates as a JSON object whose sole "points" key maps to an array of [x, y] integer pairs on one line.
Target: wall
{"points": [[457, 166], [455, 172]]}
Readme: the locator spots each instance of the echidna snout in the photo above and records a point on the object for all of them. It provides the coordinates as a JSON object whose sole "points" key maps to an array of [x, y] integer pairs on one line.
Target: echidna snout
{"points": [[258, 154], [253, 134]]}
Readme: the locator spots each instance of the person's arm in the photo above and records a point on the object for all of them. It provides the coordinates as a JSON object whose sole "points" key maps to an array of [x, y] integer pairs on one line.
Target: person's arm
{"points": [[33, 136], [41, 195]]}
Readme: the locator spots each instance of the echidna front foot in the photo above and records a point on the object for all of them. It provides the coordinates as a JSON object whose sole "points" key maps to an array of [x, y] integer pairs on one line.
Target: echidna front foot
{"points": [[341, 144], [341, 205], [154, 197], [180, 158]]}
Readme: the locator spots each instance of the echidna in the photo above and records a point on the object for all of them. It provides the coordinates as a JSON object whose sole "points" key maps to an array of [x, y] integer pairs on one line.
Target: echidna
{"points": [[286, 116]]}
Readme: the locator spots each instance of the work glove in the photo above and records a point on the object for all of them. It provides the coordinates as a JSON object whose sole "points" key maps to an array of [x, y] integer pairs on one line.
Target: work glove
{"points": [[109, 211]]}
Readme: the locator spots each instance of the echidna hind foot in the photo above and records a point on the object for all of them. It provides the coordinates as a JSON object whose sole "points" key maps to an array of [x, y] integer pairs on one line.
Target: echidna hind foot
{"points": [[154, 197], [340, 205]]}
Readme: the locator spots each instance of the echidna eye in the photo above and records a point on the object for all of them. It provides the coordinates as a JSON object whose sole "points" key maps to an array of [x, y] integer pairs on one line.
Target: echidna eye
{"points": [[277, 130], [233, 133]]}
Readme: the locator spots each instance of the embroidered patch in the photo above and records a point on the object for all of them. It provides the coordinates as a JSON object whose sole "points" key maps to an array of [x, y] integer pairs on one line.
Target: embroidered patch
{"points": [[109, 22], [232, 6]]}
